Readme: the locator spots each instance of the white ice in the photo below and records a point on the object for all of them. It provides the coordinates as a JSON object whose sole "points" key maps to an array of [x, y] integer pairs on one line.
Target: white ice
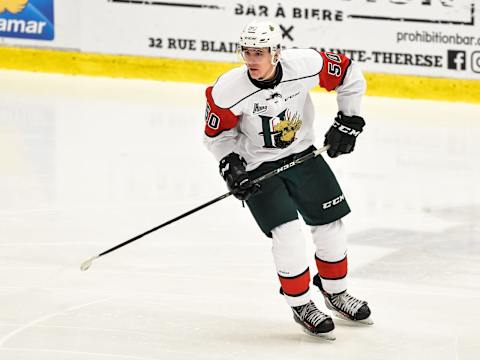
{"points": [[87, 163]]}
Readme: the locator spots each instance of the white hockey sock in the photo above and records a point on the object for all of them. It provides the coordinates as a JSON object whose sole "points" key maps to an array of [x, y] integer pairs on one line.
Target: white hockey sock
{"points": [[289, 254], [331, 255]]}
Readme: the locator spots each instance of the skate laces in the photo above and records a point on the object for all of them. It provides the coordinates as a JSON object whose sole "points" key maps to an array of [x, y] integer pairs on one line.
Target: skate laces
{"points": [[347, 303], [310, 313]]}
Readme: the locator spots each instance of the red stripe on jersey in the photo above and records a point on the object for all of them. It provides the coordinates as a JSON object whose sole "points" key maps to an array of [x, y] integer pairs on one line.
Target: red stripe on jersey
{"points": [[216, 118], [334, 69], [332, 270], [297, 285]]}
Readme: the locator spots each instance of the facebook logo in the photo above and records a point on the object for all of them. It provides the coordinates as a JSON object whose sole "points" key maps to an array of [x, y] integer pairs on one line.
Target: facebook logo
{"points": [[457, 60]]}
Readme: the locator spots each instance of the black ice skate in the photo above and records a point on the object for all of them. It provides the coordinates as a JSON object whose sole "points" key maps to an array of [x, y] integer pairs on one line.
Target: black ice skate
{"points": [[345, 306], [313, 321]]}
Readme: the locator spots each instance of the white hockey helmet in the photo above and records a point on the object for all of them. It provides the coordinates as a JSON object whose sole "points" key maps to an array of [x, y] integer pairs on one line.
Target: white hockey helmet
{"points": [[260, 34]]}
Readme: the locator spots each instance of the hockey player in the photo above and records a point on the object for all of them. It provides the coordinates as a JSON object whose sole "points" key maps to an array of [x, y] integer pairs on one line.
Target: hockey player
{"points": [[259, 117]]}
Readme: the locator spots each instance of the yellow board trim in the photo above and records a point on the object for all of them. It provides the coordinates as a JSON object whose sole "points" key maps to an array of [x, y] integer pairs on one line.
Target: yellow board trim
{"points": [[206, 72]]}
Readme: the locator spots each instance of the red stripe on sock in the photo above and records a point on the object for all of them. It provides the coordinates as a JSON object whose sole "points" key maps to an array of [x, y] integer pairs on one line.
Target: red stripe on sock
{"points": [[332, 270], [297, 285]]}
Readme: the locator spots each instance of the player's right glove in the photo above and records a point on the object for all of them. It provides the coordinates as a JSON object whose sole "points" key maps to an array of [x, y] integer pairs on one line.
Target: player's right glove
{"points": [[232, 169], [342, 134]]}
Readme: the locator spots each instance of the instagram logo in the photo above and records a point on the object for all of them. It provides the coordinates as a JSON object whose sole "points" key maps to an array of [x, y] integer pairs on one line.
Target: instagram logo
{"points": [[476, 61]]}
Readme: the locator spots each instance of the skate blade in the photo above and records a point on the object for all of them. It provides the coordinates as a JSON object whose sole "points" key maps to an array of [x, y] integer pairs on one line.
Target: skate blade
{"points": [[367, 321], [328, 336]]}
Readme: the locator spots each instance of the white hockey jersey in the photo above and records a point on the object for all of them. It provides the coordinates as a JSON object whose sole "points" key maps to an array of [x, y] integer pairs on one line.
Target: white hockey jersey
{"points": [[266, 124]]}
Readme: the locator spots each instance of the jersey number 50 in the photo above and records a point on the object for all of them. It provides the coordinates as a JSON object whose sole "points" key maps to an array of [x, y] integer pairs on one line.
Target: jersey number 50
{"points": [[333, 67]]}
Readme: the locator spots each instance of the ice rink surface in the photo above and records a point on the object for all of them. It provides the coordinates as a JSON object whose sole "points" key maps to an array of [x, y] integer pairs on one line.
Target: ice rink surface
{"points": [[87, 163]]}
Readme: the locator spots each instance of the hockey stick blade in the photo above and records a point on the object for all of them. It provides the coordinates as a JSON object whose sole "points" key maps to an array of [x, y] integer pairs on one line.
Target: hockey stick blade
{"points": [[84, 266]]}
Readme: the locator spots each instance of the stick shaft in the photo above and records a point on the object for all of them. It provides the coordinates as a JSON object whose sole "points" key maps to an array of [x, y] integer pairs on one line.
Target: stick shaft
{"points": [[268, 175], [294, 162], [167, 223]]}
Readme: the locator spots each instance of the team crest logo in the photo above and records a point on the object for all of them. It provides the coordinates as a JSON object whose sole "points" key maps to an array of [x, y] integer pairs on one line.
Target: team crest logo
{"points": [[27, 19], [280, 131], [257, 108]]}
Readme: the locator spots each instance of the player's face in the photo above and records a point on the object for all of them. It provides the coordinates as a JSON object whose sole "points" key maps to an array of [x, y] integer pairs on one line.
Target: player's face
{"points": [[259, 63]]}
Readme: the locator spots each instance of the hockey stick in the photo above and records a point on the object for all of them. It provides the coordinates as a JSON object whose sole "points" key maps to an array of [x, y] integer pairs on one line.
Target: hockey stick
{"points": [[87, 263]]}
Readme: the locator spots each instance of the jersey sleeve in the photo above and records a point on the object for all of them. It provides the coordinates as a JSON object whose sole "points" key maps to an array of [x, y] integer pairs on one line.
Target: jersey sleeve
{"points": [[220, 135], [217, 119], [351, 91], [334, 70]]}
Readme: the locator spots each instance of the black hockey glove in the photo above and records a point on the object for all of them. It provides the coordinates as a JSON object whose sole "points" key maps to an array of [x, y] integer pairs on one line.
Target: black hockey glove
{"points": [[232, 169], [342, 134]]}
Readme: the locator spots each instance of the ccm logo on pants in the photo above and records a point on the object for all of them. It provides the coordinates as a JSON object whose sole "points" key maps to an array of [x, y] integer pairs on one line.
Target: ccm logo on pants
{"points": [[333, 202]]}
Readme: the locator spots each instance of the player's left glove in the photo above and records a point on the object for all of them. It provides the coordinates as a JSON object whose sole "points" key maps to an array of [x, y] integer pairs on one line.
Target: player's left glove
{"points": [[342, 134], [232, 169]]}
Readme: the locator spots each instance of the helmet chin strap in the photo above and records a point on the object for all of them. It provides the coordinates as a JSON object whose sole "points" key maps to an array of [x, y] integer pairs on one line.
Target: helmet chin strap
{"points": [[275, 56]]}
